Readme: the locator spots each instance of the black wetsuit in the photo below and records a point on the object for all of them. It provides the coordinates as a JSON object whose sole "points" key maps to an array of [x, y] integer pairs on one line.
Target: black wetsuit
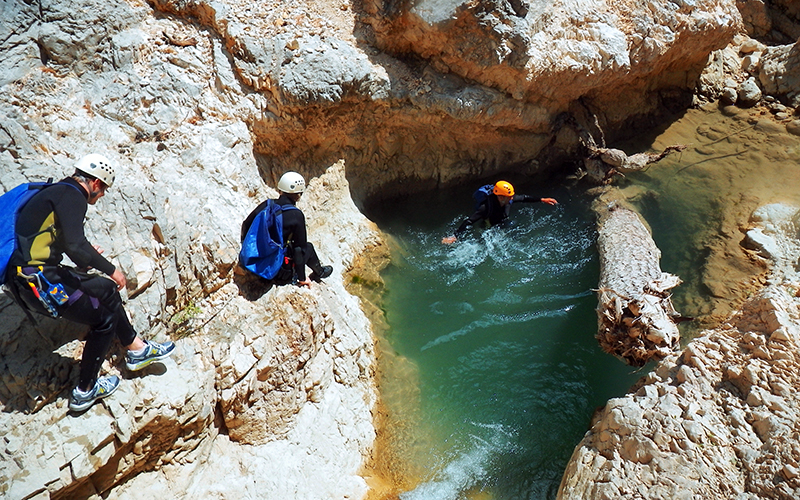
{"points": [[294, 235], [493, 212], [49, 226]]}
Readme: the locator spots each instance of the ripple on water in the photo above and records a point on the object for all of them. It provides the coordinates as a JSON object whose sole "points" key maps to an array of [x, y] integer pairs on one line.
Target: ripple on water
{"points": [[499, 328], [496, 333]]}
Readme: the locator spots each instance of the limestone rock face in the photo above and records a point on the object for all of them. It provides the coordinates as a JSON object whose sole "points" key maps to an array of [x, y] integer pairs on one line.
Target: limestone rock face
{"points": [[260, 369], [408, 93], [766, 65], [779, 72], [718, 420], [542, 51], [201, 104]]}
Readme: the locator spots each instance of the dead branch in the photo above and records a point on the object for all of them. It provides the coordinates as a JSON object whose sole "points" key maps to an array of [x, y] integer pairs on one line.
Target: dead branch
{"points": [[636, 318]]}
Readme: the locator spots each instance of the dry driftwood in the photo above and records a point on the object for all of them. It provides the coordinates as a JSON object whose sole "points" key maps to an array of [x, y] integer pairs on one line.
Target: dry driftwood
{"points": [[624, 163], [604, 163], [636, 319]]}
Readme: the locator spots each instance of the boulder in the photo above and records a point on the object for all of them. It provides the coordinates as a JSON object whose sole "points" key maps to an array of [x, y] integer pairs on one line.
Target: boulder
{"points": [[779, 72], [749, 93]]}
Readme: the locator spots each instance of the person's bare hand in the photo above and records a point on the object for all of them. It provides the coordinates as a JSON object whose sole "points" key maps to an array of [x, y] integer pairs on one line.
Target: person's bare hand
{"points": [[99, 250], [306, 283], [119, 279], [449, 240], [550, 201]]}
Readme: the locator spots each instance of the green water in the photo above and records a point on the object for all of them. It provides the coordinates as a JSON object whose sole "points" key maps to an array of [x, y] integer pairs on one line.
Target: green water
{"points": [[491, 372], [498, 330]]}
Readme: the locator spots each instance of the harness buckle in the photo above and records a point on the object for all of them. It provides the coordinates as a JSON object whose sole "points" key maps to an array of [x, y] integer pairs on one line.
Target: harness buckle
{"points": [[51, 296]]}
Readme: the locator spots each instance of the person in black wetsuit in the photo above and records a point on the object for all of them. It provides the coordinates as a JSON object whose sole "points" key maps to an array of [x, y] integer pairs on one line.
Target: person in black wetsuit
{"points": [[291, 187], [495, 208], [51, 225]]}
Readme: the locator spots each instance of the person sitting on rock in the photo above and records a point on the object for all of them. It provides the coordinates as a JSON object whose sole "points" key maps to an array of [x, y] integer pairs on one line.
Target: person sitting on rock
{"points": [[494, 207], [301, 251], [50, 225]]}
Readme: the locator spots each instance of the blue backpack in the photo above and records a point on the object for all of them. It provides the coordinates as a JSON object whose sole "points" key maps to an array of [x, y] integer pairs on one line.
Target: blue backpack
{"points": [[263, 248], [10, 205], [481, 194]]}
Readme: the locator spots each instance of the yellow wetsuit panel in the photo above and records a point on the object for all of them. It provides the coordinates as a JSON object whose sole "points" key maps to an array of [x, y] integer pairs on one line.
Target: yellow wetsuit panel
{"points": [[40, 246]]}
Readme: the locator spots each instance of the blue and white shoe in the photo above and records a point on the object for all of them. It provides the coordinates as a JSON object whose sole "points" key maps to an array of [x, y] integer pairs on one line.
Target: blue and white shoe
{"points": [[153, 351], [103, 387]]}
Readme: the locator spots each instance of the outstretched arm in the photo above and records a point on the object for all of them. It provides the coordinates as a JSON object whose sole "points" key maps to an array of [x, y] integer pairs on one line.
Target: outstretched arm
{"points": [[481, 213], [524, 198]]}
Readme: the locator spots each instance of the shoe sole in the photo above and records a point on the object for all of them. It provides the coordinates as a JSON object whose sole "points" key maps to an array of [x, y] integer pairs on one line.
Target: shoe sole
{"points": [[87, 404], [144, 364]]}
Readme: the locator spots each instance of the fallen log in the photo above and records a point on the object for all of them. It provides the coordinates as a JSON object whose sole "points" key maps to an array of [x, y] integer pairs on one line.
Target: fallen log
{"points": [[602, 164], [636, 319]]}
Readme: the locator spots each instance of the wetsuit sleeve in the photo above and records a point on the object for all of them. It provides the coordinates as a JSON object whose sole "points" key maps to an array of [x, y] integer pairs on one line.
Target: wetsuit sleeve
{"points": [[70, 211], [524, 198], [482, 213]]}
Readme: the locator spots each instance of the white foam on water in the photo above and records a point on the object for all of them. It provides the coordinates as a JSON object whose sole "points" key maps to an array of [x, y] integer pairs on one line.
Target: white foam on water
{"points": [[466, 469], [496, 319], [441, 307], [526, 244]]}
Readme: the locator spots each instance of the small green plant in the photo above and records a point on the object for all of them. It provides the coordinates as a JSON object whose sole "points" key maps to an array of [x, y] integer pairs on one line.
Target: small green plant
{"points": [[191, 310], [181, 321]]}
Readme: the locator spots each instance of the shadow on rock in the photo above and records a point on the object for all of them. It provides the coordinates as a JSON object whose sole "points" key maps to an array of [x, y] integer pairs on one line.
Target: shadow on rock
{"points": [[155, 369], [252, 287], [32, 371]]}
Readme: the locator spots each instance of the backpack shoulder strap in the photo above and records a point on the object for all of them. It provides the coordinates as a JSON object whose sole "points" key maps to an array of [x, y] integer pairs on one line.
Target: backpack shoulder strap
{"points": [[64, 184]]}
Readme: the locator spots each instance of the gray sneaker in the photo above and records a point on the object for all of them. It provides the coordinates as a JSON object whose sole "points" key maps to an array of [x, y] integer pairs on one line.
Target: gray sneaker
{"points": [[103, 387], [152, 352], [324, 272]]}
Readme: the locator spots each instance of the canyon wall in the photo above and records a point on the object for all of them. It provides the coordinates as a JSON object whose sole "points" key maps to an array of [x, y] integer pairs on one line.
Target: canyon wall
{"points": [[203, 103], [410, 94], [719, 418], [268, 383]]}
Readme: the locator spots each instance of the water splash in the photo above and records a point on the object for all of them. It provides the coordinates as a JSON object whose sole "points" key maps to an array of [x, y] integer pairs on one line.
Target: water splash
{"points": [[466, 470], [500, 326]]}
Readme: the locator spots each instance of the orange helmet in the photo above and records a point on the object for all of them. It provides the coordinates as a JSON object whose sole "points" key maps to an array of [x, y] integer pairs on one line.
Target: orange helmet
{"points": [[503, 188]]}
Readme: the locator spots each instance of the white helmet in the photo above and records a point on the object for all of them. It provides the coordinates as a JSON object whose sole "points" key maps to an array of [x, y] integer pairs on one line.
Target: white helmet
{"points": [[292, 182], [97, 166]]}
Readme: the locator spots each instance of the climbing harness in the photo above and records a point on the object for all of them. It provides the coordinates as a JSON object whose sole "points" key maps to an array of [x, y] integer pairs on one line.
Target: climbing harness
{"points": [[51, 296]]}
